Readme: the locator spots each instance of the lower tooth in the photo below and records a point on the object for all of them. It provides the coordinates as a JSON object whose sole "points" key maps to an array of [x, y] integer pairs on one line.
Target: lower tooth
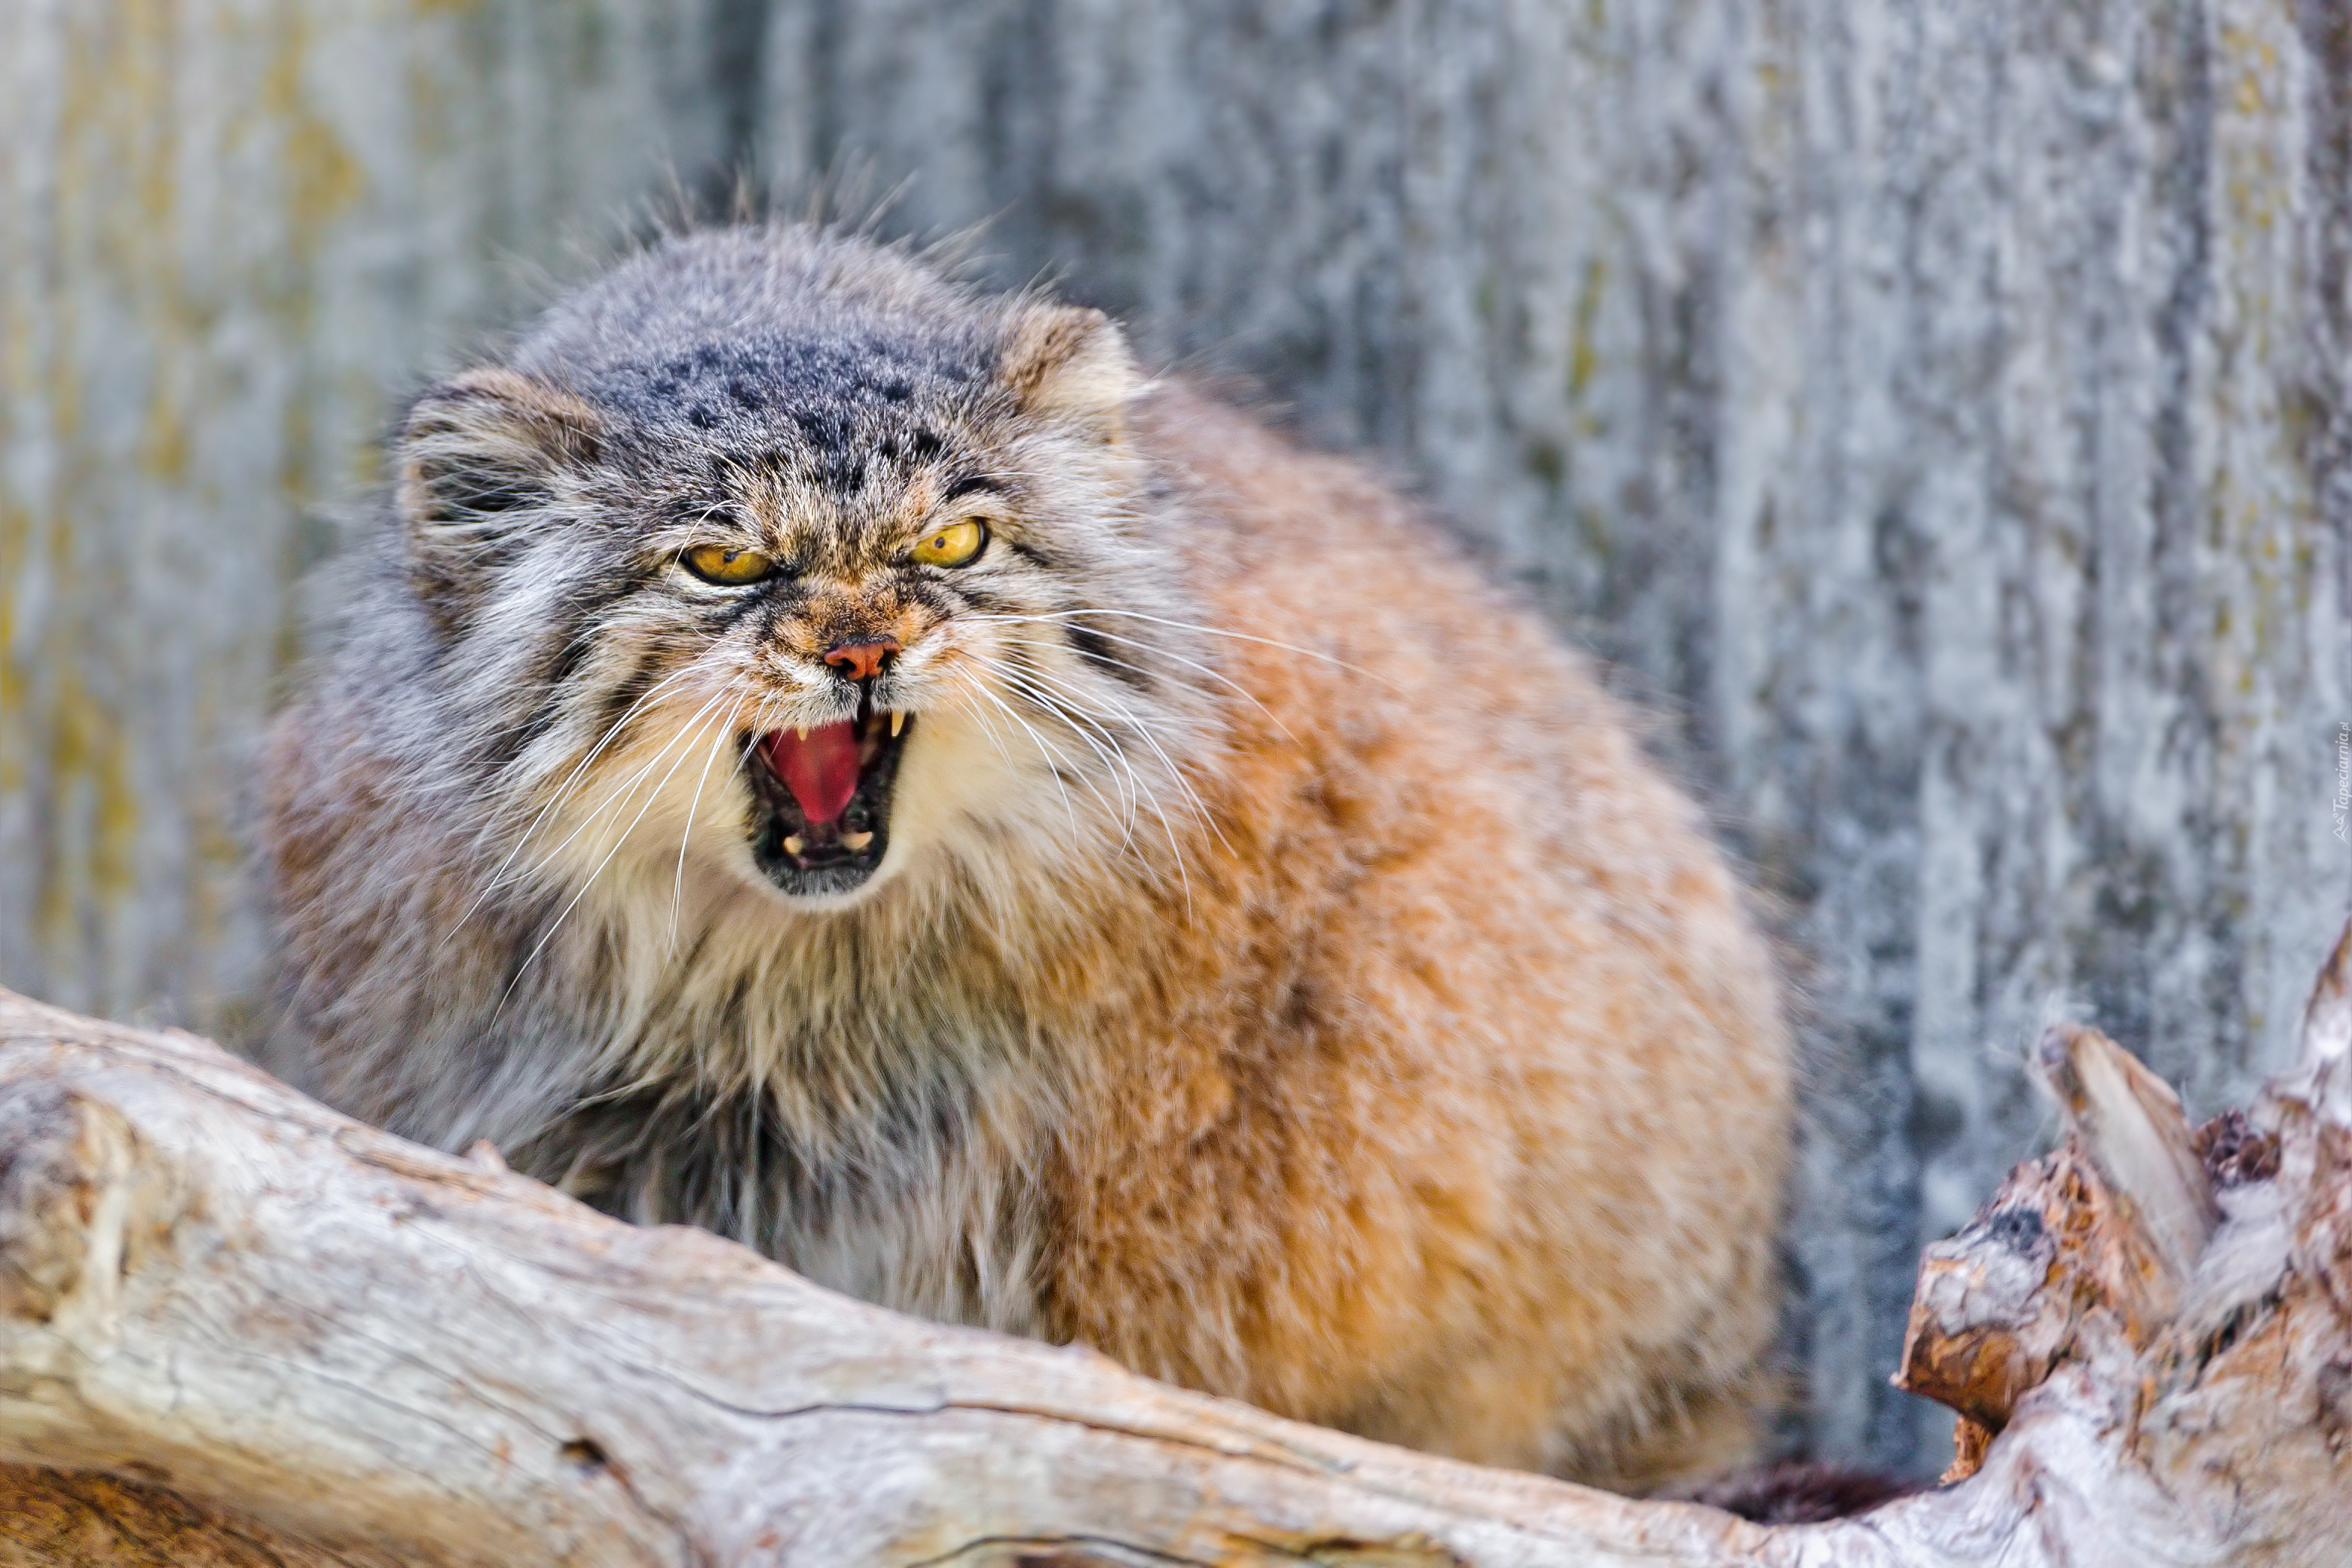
{"points": [[856, 840], [794, 844]]}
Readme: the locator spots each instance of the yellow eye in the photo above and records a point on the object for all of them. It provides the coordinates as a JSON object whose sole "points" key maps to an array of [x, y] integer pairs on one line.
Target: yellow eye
{"points": [[730, 566], [955, 545]]}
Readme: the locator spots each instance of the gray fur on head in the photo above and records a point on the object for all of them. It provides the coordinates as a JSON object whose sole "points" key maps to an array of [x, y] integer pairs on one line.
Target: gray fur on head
{"points": [[536, 869]]}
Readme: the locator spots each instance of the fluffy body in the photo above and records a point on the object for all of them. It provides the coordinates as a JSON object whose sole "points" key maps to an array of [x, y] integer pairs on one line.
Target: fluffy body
{"points": [[1285, 973]]}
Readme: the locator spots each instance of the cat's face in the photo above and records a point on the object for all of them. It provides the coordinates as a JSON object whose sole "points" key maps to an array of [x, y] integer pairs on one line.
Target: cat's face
{"points": [[809, 607]]}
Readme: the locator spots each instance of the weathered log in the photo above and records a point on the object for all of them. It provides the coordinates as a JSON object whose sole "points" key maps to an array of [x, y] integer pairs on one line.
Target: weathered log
{"points": [[2097, 1238], [2139, 1247], [228, 1313]]}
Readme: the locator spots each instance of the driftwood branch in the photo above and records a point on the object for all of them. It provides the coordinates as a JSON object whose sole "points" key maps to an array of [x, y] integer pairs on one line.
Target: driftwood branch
{"points": [[238, 1328]]}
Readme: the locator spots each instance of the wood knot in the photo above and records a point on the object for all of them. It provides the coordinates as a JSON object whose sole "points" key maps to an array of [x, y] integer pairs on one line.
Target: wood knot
{"points": [[59, 1156], [2234, 1151]]}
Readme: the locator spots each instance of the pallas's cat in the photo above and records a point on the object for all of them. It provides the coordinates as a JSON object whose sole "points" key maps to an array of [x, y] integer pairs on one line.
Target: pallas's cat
{"points": [[828, 754]]}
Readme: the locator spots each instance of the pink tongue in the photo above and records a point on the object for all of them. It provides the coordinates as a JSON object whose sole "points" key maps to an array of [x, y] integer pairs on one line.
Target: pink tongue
{"points": [[821, 770]]}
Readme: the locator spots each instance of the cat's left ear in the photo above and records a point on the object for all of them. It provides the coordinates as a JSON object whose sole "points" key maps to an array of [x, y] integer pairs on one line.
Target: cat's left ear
{"points": [[487, 442], [477, 466], [1070, 364]]}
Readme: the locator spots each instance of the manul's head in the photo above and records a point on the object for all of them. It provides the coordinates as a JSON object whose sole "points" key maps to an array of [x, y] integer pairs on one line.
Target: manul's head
{"points": [[776, 555]]}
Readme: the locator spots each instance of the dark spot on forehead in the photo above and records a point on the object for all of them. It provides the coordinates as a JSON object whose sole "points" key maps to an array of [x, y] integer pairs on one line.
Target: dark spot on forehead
{"points": [[822, 401], [967, 486], [836, 452], [2019, 1229], [815, 367], [827, 430]]}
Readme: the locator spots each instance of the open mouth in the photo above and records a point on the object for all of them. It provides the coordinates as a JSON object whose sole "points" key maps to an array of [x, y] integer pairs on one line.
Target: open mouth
{"points": [[821, 799]]}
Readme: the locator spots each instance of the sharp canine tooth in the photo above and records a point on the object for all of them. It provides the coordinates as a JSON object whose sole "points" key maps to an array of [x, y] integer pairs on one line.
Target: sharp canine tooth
{"points": [[801, 730], [795, 845], [898, 720], [856, 840]]}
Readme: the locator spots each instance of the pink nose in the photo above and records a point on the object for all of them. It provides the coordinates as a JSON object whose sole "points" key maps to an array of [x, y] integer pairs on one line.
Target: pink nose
{"points": [[862, 660]]}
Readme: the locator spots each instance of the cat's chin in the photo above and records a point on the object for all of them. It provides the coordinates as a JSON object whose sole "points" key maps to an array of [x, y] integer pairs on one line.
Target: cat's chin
{"points": [[823, 887]]}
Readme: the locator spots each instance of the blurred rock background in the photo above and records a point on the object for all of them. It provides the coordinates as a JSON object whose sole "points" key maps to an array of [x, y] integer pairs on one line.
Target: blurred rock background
{"points": [[1936, 409]]}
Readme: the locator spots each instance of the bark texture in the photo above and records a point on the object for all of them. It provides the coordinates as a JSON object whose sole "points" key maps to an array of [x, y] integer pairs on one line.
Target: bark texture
{"points": [[57, 1519], [238, 1329], [1939, 410]]}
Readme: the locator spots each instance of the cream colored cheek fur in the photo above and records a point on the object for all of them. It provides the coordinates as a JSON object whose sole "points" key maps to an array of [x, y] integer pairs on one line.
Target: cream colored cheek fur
{"points": [[649, 823]]}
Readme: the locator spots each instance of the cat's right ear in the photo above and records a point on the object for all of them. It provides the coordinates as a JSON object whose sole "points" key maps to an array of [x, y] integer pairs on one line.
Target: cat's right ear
{"points": [[480, 462]]}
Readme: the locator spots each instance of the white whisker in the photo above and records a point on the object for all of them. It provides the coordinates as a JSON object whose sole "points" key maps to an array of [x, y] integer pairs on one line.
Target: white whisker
{"points": [[626, 788], [1176, 774], [1210, 632], [1210, 671], [495, 881], [677, 888], [1166, 827], [693, 727], [1053, 755], [1121, 770]]}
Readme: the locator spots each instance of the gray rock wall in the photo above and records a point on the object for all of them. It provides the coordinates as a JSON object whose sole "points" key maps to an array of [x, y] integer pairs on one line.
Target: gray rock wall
{"points": [[1936, 410], [232, 233]]}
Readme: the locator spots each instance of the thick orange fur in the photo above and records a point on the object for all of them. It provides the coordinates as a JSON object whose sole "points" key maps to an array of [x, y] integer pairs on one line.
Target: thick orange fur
{"points": [[1449, 1101]]}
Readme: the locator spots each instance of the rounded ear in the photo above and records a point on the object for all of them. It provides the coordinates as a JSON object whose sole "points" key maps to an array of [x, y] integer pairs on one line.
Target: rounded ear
{"points": [[1068, 362], [476, 464]]}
